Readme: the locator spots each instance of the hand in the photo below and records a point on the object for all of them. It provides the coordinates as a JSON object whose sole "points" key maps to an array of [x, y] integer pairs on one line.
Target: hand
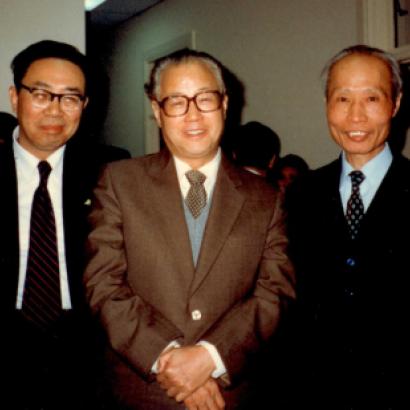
{"points": [[206, 397], [182, 371], [161, 361]]}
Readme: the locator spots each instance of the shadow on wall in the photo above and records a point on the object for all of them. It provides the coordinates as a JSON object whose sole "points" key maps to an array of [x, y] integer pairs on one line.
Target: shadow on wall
{"points": [[401, 123], [98, 86], [236, 94]]}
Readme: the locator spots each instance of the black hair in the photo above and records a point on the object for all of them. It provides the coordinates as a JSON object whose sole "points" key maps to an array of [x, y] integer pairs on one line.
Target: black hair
{"points": [[255, 144], [47, 49], [293, 161]]}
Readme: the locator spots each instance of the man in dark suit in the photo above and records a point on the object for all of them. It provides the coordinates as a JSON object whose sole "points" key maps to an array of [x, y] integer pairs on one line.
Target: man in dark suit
{"points": [[349, 225], [7, 124], [49, 363], [188, 271]]}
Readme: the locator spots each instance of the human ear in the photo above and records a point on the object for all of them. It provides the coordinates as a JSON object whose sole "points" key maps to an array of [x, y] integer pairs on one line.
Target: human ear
{"points": [[397, 105], [13, 95], [157, 111]]}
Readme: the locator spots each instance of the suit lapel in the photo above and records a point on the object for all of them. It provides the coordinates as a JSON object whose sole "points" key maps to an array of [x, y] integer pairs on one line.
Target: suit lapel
{"points": [[72, 215], [166, 201], [389, 198], [226, 205], [80, 171], [9, 242], [331, 208]]}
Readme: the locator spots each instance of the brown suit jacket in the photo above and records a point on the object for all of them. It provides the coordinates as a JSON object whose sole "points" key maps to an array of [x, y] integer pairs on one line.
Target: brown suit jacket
{"points": [[142, 282]]}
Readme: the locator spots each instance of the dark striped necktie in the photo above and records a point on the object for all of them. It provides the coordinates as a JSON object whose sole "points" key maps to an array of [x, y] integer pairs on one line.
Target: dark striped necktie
{"points": [[42, 299]]}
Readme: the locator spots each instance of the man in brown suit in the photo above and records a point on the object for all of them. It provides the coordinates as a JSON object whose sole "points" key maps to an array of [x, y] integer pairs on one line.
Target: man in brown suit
{"points": [[188, 271]]}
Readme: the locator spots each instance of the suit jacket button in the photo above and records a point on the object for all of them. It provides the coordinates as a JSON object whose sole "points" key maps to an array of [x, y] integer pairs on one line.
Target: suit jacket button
{"points": [[196, 314], [350, 262]]}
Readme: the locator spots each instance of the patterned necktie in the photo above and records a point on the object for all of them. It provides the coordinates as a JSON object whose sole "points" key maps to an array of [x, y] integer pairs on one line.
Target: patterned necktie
{"points": [[42, 299], [196, 197], [355, 208]]}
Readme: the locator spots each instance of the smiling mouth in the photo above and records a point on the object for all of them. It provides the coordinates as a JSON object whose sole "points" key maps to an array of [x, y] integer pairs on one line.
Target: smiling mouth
{"points": [[52, 129], [194, 133], [356, 134]]}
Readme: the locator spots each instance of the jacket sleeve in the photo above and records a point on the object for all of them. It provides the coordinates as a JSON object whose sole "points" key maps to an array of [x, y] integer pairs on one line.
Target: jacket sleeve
{"points": [[136, 330]]}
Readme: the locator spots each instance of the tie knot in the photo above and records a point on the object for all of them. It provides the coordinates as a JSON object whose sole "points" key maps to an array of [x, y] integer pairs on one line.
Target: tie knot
{"points": [[44, 169], [357, 178], [195, 177]]}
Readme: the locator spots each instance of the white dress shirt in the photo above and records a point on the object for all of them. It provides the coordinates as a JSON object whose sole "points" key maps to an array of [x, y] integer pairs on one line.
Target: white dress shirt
{"points": [[374, 172], [28, 179]]}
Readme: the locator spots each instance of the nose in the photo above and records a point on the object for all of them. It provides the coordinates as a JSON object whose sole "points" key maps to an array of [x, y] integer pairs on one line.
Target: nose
{"points": [[357, 111], [54, 107], [193, 113]]}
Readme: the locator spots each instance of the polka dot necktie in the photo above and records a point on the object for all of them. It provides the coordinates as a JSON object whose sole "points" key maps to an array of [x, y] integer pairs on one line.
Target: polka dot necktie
{"points": [[196, 197], [355, 208]]}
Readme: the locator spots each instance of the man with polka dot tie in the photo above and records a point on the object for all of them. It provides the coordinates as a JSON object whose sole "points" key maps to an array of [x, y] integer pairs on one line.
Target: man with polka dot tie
{"points": [[350, 243]]}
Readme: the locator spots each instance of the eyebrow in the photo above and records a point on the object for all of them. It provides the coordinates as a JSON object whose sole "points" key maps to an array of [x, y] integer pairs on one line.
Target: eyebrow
{"points": [[349, 90]]}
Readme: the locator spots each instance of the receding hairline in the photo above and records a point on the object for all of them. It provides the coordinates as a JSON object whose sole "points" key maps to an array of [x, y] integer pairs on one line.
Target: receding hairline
{"points": [[358, 56], [389, 61]]}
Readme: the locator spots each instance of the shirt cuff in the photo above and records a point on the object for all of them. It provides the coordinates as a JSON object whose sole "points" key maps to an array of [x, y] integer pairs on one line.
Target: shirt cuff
{"points": [[220, 368], [171, 345]]}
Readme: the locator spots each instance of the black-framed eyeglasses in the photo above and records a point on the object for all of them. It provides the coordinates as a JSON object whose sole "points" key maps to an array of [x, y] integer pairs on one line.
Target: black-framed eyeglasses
{"points": [[42, 98], [178, 105]]}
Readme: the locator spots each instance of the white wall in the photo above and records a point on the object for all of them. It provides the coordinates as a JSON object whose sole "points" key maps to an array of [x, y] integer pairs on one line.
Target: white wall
{"points": [[23, 22], [277, 48]]}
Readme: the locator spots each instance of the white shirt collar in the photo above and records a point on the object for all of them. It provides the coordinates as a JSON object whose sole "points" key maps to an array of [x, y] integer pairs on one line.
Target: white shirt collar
{"points": [[210, 170], [29, 161]]}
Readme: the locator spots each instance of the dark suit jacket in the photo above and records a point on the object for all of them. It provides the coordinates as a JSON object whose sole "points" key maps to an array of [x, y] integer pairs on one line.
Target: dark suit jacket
{"points": [[353, 296], [142, 283], [38, 362]]}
